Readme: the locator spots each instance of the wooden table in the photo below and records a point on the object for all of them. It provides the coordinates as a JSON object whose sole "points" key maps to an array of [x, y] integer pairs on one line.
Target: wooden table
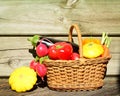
{"points": [[110, 88], [52, 18]]}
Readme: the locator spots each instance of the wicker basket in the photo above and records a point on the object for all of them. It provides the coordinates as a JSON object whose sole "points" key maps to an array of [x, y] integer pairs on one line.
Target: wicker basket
{"points": [[82, 74]]}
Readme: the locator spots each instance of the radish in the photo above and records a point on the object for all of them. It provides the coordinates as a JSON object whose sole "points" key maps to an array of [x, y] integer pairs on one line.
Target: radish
{"points": [[41, 70], [33, 64], [41, 50]]}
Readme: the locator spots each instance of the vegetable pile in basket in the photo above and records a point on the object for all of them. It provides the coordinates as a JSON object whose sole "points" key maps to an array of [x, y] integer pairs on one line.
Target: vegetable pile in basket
{"points": [[56, 51], [92, 48]]}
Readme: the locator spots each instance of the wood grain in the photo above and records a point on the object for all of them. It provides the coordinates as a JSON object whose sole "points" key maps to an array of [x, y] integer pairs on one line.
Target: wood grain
{"points": [[14, 52], [22, 19], [53, 17]]}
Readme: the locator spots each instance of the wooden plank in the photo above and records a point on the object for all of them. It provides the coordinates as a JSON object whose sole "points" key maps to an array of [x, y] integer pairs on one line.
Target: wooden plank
{"points": [[35, 17], [54, 17], [15, 58], [110, 88], [14, 43], [96, 16], [14, 52], [18, 43]]}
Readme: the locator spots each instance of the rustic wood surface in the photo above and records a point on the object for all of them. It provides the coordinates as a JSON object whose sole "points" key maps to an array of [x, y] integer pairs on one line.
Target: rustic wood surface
{"points": [[111, 88], [55, 16], [14, 53], [52, 18]]}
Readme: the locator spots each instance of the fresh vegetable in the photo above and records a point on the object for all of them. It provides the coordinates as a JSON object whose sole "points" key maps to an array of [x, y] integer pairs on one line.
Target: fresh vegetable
{"points": [[22, 79], [106, 51], [106, 43], [52, 52], [75, 56], [62, 51], [50, 41], [38, 66], [87, 40], [92, 50], [41, 50], [41, 70], [33, 64]]}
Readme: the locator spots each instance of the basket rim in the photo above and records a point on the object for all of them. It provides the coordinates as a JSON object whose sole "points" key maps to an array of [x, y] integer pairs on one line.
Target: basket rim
{"points": [[77, 63], [109, 57]]}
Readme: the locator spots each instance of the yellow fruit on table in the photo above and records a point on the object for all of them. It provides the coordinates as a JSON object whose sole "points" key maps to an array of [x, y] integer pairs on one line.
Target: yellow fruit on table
{"points": [[22, 79], [92, 50]]}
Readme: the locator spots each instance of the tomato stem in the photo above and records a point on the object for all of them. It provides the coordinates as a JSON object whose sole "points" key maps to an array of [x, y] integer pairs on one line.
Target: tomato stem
{"points": [[59, 46]]}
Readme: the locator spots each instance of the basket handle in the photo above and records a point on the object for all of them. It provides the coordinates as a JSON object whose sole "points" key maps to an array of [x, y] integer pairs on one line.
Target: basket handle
{"points": [[70, 39]]}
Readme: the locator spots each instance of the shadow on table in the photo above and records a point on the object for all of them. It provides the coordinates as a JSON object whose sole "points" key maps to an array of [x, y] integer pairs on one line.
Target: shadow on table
{"points": [[119, 80]]}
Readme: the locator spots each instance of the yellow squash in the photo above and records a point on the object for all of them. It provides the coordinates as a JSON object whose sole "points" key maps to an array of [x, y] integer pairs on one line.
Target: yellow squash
{"points": [[22, 79], [92, 50]]}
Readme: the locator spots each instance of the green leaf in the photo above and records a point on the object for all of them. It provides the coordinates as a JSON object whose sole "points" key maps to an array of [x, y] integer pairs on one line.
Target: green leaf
{"points": [[34, 40], [37, 58], [43, 58]]}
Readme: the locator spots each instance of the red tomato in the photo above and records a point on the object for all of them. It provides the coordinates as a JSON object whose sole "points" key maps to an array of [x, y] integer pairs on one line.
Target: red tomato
{"points": [[75, 56], [60, 50], [52, 52], [64, 50]]}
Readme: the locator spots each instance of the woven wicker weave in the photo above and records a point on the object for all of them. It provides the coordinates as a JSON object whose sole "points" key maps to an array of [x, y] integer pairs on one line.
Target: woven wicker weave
{"points": [[82, 74]]}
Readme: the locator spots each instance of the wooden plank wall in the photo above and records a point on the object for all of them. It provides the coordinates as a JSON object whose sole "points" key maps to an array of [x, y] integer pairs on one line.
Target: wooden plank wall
{"points": [[20, 19]]}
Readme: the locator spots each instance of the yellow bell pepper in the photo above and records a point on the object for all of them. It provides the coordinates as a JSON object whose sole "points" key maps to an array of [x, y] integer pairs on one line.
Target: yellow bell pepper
{"points": [[92, 50], [22, 79]]}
